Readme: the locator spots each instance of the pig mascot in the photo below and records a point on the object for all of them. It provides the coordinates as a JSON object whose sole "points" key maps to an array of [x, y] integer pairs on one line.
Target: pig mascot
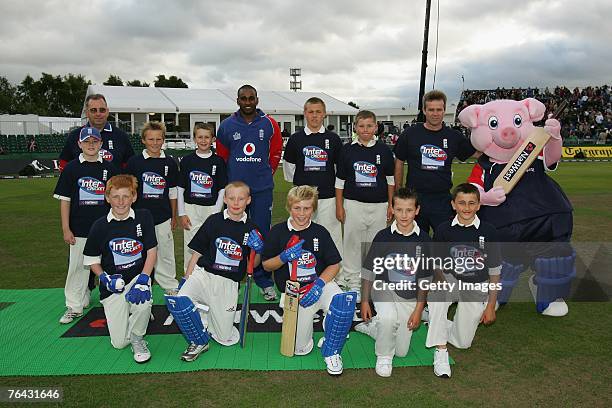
{"points": [[536, 212]]}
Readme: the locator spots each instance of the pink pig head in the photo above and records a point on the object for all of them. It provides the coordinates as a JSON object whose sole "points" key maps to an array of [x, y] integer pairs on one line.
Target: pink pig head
{"points": [[500, 127]]}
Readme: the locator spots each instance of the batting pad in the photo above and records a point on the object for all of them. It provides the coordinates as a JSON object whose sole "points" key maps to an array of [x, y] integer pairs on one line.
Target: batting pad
{"points": [[34, 343]]}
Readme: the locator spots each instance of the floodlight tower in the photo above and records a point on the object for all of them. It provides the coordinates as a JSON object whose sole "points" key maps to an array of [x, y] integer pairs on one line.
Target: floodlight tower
{"points": [[294, 84]]}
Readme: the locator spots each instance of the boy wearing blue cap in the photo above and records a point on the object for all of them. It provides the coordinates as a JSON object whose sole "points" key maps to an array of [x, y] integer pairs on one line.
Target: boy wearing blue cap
{"points": [[80, 189]]}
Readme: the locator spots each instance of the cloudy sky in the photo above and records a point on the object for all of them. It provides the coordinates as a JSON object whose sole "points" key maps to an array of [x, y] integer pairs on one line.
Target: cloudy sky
{"points": [[360, 50]]}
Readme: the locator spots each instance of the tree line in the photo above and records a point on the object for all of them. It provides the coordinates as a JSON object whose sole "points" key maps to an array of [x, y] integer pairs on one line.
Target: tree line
{"points": [[61, 95]]}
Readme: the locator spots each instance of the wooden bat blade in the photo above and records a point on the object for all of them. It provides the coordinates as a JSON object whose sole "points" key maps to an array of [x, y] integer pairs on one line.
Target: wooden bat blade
{"points": [[290, 316], [521, 160]]}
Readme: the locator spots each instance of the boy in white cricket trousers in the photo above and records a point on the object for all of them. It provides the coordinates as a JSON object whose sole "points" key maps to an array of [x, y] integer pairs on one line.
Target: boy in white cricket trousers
{"points": [[122, 249], [391, 277], [318, 262], [473, 281], [157, 175], [364, 190], [218, 264], [80, 189], [201, 183]]}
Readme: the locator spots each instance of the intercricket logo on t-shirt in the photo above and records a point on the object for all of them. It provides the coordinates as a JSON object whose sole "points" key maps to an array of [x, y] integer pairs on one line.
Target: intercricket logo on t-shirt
{"points": [[467, 259], [403, 270], [365, 174], [315, 158], [91, 191], [306, 267], [228, 254], [432, 157], [201, 184], [153, 185], [106, 155], [126, 252]]}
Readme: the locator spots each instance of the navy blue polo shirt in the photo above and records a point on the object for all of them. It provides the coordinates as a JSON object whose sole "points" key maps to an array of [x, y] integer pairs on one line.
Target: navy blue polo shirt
{"points": [[121, 246], [364, 171], [202, 178], [116, 146], [389, 243], [156, 176], [318, 252], [315, 157], [83, 183], [222, 242], [478, 241], [429, 155]]}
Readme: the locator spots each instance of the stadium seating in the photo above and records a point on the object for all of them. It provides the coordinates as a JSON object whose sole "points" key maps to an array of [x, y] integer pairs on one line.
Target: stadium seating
{"points": [[588, 120]]}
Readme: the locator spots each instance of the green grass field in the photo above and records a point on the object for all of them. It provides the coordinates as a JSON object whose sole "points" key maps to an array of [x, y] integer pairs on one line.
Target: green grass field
{"points": [[523, 359]]}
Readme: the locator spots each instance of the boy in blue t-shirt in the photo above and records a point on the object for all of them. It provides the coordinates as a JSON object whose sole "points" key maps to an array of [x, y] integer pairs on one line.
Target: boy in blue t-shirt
{"points": [[201, 185], [121, 249], [157, 176], [364, 192], [80, 189]]}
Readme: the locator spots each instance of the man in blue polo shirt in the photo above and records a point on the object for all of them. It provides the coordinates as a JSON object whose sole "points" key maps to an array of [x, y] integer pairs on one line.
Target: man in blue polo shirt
{"points": [[429, 148], [250, 142], [116, 146]]}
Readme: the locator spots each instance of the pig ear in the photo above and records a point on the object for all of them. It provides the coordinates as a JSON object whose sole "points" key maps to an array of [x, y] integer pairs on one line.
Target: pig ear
{"points": [[535, 108], [469, 116]]}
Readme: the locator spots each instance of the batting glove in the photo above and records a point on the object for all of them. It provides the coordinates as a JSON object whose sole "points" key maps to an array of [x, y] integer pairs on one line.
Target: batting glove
{"points": [[141, 291], [311, 297], [182, 282], [113, 283], [292, 253], [255, 242]]}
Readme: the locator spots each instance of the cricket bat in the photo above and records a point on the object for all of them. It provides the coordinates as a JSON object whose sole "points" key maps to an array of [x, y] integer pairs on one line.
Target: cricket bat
{"points": [[246, 299], [290, 307], [524, 156]]}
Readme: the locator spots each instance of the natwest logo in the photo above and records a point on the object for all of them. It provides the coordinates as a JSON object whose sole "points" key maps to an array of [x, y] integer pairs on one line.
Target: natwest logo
{"points": [[106, 155]]}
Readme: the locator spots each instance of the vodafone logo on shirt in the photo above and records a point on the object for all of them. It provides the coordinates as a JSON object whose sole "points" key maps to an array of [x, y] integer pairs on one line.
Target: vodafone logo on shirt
{"points": [[248, 150]]}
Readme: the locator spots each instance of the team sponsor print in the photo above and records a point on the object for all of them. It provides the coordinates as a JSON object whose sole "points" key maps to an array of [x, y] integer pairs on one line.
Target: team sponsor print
{"points": [[432, 157], [127, 252], [91, 191], [365, 174], [106, 155], [306, 267], [401, 271], [153, 185], [228, 254], [249, 150], [467, 259], [201, 184], [315, 158]]}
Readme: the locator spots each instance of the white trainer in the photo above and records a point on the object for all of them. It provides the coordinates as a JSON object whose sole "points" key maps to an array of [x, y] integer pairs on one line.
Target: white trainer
{"points": [[69, 316], [441, 364], [384, 366], [269, 293], [140, 349], [193, 351], [368, 328], [334, 364]]}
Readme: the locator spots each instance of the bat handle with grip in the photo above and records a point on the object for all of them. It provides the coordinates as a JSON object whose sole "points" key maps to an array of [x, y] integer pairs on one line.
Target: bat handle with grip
{"points": [[292, 241]]}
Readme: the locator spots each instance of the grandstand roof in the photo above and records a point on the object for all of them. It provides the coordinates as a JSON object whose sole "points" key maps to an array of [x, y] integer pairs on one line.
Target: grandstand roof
{"points": [[186, 100]]}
